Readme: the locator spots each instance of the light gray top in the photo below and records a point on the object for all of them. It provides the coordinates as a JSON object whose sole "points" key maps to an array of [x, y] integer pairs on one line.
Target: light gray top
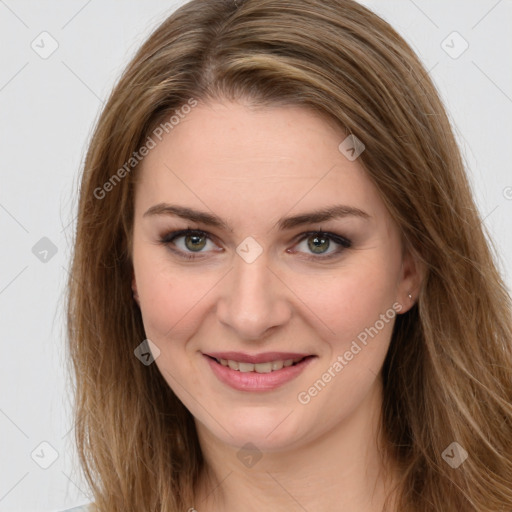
{"points": [[83, 508]]}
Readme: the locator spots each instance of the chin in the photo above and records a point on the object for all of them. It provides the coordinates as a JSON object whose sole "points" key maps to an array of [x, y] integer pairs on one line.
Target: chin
{"points": [[267, 430]]}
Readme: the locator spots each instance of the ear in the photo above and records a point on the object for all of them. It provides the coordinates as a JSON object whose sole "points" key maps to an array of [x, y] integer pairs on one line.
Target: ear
{"points": [[134, 289], [412, 272]]}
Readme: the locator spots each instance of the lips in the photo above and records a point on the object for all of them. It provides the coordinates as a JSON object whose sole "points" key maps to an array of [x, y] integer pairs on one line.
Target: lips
{"points": [[258, 372]]}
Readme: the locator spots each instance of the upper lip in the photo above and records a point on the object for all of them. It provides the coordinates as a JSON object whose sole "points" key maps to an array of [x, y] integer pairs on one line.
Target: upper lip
{"points": [[264, 357]]}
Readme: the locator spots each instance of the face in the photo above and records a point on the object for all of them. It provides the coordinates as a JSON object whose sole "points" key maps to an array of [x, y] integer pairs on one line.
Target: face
{"points": [[298, 304]]}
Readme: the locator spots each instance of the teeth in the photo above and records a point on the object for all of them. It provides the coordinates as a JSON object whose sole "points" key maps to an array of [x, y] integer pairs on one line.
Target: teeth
{"points": [[233, 365], [268, 367], [244, 367], [277, 365], [263, 367]]}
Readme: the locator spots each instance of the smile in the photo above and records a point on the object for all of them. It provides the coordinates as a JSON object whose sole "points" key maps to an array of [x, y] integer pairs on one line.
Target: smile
{"points": [[257, 376], [268, 367]]}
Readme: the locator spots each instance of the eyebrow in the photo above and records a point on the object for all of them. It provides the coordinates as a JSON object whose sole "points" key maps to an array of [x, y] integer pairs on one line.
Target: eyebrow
{"points": [[313, 217]]}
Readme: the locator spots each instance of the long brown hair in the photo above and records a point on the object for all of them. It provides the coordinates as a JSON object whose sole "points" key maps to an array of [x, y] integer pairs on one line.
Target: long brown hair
{"points": [[448, 373]]}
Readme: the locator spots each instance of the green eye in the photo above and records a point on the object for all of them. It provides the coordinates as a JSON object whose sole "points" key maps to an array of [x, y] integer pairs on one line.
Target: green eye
{"points": [[318, 244], [195, 242]]}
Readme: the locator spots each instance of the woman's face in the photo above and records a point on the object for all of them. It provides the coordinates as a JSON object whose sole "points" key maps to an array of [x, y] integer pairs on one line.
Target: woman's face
{"points": [[260, 284]]}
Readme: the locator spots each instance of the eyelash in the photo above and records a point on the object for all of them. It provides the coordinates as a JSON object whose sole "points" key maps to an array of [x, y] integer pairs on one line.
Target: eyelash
{"points": [[345, 243]]}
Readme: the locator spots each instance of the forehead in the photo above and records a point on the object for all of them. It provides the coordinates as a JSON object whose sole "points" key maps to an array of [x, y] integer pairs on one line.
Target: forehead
{"points": [[239, 159]]}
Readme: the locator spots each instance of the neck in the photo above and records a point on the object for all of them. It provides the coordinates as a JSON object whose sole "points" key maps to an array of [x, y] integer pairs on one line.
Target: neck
{"points": [[341, 470]]}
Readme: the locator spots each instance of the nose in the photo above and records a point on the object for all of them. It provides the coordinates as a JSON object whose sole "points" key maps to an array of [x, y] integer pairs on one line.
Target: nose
{"points": [[254, 300]]}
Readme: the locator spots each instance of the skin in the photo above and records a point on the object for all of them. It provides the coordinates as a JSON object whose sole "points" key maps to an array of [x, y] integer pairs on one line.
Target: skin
{"points": [[252, 166]]}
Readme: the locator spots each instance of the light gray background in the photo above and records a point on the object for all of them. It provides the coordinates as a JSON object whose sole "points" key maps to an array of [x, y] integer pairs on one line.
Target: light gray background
{"points": [[47, 110]]}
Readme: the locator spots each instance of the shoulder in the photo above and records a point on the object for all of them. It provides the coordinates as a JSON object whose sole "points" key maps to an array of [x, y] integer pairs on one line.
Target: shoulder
{"points": [[83, 508]]}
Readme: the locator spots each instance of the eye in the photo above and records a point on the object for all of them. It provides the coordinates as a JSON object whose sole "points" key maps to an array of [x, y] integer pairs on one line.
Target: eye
{"points": [[194, 241], [319, 242]]}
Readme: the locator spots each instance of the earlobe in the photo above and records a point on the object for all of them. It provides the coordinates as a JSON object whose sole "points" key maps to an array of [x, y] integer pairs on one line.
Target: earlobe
{"points": [[411, 278], [407, 304]]}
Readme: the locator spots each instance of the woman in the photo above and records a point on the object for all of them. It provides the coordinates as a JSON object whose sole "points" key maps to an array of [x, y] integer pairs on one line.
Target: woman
{"points": [[281, 294]]}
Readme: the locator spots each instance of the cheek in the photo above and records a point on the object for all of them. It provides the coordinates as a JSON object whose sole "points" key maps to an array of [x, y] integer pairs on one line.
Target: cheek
{"points": [[167, 304], [347, 301], [172, 298], [358, 310], [162, 301]]}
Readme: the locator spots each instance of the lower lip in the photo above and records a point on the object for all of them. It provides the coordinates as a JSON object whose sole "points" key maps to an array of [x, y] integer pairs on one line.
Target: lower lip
{"points": [[252, 381]]}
